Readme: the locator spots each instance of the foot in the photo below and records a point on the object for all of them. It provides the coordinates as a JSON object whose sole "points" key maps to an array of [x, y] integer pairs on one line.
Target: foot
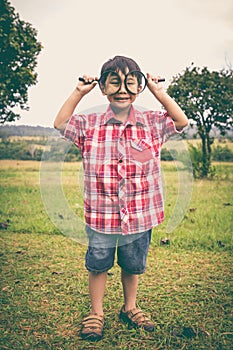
{"points": [[137, 319], [92, 327]]}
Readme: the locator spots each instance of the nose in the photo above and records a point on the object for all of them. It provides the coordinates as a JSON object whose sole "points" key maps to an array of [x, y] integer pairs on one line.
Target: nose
{"points": [[122, 88]]}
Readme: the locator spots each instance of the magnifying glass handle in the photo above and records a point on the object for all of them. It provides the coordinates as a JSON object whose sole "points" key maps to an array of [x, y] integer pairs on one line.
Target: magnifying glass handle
{"points": [[161, 80], [86, 82]]}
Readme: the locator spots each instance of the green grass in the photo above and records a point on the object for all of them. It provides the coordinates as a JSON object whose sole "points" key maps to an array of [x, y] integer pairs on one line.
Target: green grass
{"points": [[187, 288]]}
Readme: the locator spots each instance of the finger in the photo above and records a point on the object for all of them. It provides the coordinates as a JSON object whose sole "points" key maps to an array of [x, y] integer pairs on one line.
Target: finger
{"points": [[90, 79], [86, 79], [94, 83], [155, 79]]}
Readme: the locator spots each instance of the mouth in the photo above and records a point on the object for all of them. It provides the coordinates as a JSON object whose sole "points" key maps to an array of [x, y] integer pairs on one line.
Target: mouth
{"points": [[121, 99]]}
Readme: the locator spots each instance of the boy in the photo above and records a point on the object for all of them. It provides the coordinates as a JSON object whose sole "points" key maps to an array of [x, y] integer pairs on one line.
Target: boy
{"points": [[123, 195]]}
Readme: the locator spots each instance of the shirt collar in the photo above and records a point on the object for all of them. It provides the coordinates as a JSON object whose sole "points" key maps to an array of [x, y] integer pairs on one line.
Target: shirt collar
{"points": [[135, 117]]}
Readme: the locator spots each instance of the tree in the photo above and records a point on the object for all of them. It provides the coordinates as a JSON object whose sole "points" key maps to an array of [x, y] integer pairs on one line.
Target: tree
{"points": [[206, 97], [18, 58]]}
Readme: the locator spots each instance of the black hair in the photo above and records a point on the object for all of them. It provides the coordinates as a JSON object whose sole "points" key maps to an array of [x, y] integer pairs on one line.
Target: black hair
{"points": [[120, 63]]}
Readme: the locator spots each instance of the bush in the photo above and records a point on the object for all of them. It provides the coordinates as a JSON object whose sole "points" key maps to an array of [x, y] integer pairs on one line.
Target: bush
{"points": [[56, 153], [197, 162], [24, 150], [168, 155], [222, 154]]}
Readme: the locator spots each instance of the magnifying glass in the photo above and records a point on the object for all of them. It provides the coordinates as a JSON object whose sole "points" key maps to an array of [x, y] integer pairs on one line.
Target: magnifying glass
{"points": [[110, 82]]}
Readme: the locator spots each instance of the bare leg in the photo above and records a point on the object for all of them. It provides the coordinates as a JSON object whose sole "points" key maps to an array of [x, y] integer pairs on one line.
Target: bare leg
{"points": [[97, 282], [130, 287]]}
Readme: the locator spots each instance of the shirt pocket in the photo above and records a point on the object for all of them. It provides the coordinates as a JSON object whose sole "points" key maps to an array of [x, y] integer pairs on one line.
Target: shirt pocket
{"points": [[141, 150]]}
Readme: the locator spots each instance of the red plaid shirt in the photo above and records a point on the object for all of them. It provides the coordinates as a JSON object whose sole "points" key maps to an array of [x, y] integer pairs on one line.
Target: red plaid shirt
{"points": [[122, 180]]}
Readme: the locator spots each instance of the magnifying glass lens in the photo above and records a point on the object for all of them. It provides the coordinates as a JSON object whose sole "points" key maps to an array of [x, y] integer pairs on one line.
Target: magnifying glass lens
{"points": [[110, 83], [135, 82]]}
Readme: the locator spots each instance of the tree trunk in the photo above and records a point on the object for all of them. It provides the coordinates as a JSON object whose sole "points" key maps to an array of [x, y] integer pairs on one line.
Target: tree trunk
{"points": [[206, 154]]}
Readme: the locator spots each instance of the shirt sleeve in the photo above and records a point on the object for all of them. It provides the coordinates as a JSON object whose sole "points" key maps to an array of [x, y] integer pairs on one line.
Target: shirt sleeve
{"points": [[75, 130], [165, 126]]}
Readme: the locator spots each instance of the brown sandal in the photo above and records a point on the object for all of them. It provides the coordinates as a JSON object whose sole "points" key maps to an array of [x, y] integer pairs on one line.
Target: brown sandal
{"points": [[137, 319], [92, 327]]}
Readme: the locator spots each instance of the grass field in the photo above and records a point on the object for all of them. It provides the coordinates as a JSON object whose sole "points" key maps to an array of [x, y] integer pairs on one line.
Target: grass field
{"points": [[187, 288]]}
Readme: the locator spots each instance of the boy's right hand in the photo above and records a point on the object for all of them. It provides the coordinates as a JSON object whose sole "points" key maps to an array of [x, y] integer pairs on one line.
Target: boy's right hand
{"points": [[84, 87]]}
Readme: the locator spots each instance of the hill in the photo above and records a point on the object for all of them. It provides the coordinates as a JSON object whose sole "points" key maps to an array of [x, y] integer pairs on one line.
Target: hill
{"points": [[26, 130]]}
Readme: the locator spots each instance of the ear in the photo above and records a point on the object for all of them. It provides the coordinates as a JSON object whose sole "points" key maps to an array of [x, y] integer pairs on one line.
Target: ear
{"points": [[139, 89]]}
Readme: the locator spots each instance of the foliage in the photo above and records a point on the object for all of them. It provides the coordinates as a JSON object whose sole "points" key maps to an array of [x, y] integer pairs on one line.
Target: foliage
{"points": [[206, 97], [29, 150], [20, 150], [18, 59], [168, 155], [219, 153], [197, 162], [222, 154]]}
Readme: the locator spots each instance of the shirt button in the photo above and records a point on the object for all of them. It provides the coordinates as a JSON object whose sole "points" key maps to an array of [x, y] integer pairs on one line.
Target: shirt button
{"points": [[120, 161]]}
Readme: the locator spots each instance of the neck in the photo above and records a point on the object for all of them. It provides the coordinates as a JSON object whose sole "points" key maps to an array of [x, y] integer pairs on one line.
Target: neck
{"points": [[121, 114]]}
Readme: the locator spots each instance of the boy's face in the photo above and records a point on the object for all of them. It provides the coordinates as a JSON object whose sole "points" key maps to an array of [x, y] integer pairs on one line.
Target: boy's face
{"points": [[123, 98]]}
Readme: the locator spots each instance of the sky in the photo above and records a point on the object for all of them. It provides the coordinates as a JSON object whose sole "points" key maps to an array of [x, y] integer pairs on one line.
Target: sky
{"points": [[163, 36]]}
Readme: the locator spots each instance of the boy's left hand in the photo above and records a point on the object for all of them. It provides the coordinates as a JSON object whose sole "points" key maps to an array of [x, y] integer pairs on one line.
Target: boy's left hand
{"points": [[153, 85]]}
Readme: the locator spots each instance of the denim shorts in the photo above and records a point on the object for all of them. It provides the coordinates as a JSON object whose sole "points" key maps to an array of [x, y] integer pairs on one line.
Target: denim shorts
{"points": [[132, 251]]}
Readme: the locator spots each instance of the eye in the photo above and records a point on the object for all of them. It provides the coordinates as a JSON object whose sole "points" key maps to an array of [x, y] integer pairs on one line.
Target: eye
{"points": [[114, 82], [131, 82]]}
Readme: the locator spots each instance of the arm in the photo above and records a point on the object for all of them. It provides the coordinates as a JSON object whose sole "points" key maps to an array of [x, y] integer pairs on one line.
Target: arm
{"points": [[173, 109], [70, 104]]}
